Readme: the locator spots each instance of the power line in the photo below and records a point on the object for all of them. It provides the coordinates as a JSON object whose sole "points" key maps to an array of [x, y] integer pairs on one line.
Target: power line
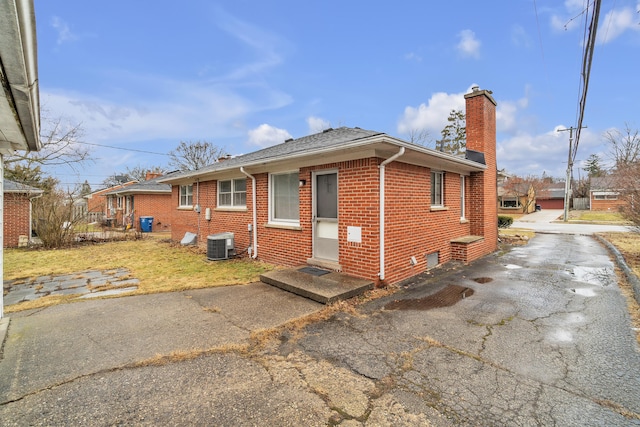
{"points": [[586, 70], [122, 148]]}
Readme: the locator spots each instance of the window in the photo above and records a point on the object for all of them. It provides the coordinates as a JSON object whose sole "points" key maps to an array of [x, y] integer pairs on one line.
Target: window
{"points": [[186, 195], [232, 193], [605, 196], [283, 198], [437, 186], [462, 205], [509, 202]]}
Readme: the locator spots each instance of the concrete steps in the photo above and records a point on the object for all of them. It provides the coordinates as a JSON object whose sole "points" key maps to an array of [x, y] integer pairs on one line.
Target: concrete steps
{"points": [[319, 285]]}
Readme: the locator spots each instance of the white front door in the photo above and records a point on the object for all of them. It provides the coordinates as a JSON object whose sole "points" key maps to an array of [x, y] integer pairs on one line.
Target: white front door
{"points": [[325, 215]]}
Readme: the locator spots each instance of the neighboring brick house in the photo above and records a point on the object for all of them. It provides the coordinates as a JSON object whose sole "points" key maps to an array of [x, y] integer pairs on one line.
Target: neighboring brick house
{"points": [[353, 200], [147, 198], [17, 213], [97, 208], [603, 194]]}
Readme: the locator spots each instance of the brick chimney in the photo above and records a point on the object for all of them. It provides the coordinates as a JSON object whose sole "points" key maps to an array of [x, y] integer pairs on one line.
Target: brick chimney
{"points": [[483, 192], [152, 175]]}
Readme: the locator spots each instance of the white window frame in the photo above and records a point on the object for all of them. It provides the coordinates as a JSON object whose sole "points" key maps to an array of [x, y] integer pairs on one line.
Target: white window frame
{"points": [[605, 195], [233, 193], [463, 207], [510, 198], [434, 201], [185, 192], [272, 203]]}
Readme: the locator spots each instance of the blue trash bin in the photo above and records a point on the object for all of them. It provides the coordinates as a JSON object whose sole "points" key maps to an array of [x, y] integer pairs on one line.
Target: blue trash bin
{"points": [[146, 224]]}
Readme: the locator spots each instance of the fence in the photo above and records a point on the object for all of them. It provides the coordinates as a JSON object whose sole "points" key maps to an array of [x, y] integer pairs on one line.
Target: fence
{"points": [[581, 203]]}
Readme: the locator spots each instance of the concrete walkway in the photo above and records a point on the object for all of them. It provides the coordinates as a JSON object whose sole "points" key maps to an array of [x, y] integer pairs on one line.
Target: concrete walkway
{"points": [[60, 344]]}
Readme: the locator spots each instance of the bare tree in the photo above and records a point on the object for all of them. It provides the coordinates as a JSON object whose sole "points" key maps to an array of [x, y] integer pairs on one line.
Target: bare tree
{"points": [[627, 182], [526, 188], [132, 173], [190, 156], [420, 137], [61, 146], [624, 146], [54, 219]]}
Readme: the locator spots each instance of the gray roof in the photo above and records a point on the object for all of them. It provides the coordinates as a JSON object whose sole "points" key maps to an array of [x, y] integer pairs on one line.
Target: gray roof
{"points": [[320, 145], [324, 139], [602, 183], [142, 187], [16, 187]]}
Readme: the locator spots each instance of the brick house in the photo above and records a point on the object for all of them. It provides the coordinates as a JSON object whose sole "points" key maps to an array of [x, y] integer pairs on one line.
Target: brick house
{"points": [[148, 198], [604, 194], [97, 208], [17, 213], [353, 200]]}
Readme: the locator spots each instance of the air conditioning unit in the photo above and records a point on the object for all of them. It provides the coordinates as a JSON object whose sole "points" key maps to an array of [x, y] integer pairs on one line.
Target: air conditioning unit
{"points": [[220, 246]]}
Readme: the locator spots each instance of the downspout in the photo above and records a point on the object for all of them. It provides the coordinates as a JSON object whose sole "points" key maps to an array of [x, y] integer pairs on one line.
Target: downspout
{"points": [[196, 208], [382, 192], [254, 255], [31, 199]]}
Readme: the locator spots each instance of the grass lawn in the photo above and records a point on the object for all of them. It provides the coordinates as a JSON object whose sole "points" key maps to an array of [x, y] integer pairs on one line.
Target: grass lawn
{"points": [[159, 265], [629, 245], [603, 217]]}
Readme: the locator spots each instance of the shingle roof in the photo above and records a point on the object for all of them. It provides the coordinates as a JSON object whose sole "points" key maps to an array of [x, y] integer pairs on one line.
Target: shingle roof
{"points": [[142, 187], [326, 139], [602, 183], [16, 187]]}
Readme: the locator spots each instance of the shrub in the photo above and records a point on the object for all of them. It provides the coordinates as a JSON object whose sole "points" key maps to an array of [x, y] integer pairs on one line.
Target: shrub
{"points": [[504, 221]]}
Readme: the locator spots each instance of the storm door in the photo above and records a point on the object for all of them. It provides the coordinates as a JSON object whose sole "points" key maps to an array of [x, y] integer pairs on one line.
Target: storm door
{"points": [[325, 215]]}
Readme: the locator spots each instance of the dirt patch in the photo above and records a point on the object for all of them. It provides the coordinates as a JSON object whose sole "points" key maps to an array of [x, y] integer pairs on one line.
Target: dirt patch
{"points": [[482, 280], [443, 298]]}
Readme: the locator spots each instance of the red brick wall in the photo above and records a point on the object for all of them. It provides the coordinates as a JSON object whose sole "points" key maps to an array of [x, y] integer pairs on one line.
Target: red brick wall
{"points": [[16, 218], [156, 205], [205, 194], [98, 203], [607, 205], [412, 227]]}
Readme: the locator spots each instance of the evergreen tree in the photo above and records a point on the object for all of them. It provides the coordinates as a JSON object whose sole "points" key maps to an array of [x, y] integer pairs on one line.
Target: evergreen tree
{"points": [[454, 135], [592, 166]]}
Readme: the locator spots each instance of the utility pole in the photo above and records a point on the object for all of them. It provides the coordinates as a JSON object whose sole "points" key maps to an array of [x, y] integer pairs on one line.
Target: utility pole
{"points": [[567, 184]]}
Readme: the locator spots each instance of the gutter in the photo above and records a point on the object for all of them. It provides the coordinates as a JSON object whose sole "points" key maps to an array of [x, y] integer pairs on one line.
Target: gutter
{"points": [[382, 168], [254, 255]]}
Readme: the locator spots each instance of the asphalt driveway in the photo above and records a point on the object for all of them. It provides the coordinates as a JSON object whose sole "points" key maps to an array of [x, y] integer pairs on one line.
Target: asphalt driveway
{"points": [[541, 337]]}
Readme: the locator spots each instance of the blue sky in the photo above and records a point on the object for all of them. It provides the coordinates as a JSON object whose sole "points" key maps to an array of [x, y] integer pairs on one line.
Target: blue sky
{"points": [[145, 75]]}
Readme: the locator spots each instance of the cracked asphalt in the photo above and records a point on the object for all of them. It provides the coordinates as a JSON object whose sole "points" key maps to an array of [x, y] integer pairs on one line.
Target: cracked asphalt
{"points": [[544, 339]]}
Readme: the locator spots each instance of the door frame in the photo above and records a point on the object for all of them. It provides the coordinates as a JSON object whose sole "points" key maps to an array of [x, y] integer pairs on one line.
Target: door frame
{"points": [[314, 174]]}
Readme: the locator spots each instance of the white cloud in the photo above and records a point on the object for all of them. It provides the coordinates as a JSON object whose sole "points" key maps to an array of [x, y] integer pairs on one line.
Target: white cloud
{"points": [[526, 153], [267, 46], [266, 135], [614, 24], [617, 22], [469, 45], [316, 124], [432, 116], [64, 32]]}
